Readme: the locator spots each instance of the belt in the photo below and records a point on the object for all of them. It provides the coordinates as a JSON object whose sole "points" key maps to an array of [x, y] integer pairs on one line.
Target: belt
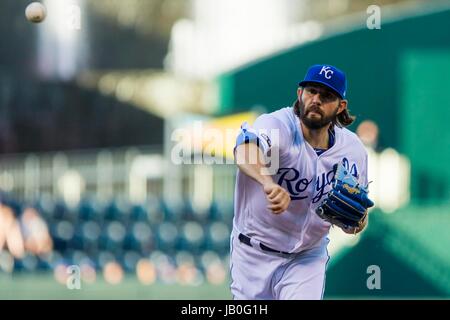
{"points": [[247, 240]]}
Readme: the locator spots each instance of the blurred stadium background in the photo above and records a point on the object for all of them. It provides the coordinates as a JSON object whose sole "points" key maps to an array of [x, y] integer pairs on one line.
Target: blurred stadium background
{"points": [[90, 100]]}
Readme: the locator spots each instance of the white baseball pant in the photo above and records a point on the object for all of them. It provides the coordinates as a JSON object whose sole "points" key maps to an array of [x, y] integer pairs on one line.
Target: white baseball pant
{"points": [[262, 275]]}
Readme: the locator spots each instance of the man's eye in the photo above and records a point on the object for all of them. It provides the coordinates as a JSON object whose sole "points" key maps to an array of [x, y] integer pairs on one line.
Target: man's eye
{"points": [[312, 91]]}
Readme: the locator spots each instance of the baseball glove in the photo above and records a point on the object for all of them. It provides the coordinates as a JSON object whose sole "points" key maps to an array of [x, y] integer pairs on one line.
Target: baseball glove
{"points": [[347, 202]]}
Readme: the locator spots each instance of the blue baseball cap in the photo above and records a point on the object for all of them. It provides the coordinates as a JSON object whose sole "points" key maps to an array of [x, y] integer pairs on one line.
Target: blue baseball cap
{"points": [[329, 76]]}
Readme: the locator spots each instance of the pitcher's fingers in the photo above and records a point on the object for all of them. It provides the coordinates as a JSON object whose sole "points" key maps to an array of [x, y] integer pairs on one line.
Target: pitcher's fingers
{"points": [[278, 211], [274, 207], [273, 193], [278, 198]]}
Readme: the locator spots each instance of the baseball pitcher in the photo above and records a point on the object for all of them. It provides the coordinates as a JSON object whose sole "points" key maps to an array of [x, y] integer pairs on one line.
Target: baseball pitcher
{"points": [[300, 172]]}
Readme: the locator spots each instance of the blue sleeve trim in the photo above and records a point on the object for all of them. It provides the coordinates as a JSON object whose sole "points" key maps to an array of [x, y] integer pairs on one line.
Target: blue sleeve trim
{"points": [[246, 137]]}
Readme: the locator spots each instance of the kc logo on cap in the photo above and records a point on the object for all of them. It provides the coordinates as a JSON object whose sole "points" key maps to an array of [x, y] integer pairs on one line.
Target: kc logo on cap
{"points": [[328, 72], [327, 75]]}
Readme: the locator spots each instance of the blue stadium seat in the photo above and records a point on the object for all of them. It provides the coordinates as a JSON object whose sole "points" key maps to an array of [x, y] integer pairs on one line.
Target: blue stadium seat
{"points": [[139, 214], [173, 212], [50, 261], [112, 236], [78, 241], [60, 211], [103, 258], [187, 210], [192, 237], [29, 263], [131, 243], [87, 211], [91, 231], [139, 238], [68, 256], [44, 205], [218, 237], [112, 212], [167, 236], [86, 237], [214, 212], [129, 260], [62, 233]]}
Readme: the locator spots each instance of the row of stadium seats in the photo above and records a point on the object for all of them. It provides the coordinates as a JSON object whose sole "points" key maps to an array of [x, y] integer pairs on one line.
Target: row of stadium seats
{"points": [[154, 212], [97, 234], [142, 237]]}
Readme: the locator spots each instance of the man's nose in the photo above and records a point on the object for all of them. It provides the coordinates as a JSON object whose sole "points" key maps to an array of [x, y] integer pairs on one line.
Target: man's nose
{"points": [[316, 98]]}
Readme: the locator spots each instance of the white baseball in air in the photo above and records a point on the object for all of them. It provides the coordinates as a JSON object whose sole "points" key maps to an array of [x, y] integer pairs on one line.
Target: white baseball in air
{"points": [[35, 12]]}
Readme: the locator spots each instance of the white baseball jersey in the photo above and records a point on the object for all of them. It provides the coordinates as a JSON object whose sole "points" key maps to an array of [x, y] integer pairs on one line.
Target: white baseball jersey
{"points": [[304, 174], [297, 270]]}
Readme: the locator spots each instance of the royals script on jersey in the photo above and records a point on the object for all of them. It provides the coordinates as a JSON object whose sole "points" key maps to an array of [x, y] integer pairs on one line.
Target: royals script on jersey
{"points": [[304, 174]]}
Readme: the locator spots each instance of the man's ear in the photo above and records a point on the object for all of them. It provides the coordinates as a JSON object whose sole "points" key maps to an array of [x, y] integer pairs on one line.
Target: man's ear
{"points": [[342, 105], [299, 92]]}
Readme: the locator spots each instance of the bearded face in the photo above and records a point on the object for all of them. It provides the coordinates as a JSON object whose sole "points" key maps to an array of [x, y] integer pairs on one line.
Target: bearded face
{"points": [[316, 113]]}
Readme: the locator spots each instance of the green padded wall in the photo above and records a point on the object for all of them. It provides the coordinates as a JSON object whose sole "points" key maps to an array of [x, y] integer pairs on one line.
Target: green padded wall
{"points": [[425, 112]]}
